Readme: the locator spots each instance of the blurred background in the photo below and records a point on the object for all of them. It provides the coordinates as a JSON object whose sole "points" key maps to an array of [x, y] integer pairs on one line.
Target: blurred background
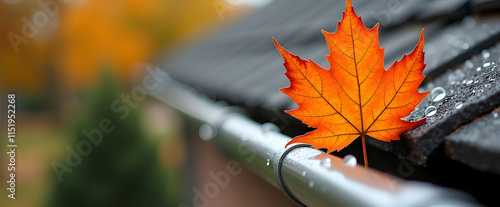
{"points": [[69, 61], [88, 134]]}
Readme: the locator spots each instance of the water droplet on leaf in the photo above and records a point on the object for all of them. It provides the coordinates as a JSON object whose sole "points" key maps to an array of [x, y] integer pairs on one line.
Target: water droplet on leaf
{"points": [[459, 105]]}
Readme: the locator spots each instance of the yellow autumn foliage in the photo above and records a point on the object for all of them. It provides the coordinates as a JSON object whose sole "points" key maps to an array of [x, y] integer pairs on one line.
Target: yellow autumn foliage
{"points": [[84, 36]]}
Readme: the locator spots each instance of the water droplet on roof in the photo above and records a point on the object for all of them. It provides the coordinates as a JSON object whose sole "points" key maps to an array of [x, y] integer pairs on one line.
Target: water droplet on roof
{"points": [[437, 94], [430, 111]]}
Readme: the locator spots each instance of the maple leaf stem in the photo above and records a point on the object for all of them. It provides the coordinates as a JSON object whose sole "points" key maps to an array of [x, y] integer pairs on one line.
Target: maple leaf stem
{"points": [[333, 100], [365, 157]]}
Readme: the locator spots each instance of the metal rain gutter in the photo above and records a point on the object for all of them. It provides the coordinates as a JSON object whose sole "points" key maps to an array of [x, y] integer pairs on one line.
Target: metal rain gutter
{"points": [[315, 178]]}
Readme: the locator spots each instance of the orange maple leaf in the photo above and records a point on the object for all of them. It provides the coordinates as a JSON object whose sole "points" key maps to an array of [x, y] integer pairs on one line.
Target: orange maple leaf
{"points": [[356, 96]]}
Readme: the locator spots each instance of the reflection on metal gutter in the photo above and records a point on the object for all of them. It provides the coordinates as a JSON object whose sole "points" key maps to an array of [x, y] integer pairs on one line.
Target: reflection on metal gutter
{"points": [[314, 177]]}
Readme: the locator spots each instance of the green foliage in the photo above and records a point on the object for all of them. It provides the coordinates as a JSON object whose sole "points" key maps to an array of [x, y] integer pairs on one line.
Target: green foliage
{"points": [[123, 170]]}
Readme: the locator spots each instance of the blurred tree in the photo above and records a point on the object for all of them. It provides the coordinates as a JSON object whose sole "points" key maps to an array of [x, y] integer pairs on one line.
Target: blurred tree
{"points": [[25, 62], [122, 170], [50, 50], [122, 33]]}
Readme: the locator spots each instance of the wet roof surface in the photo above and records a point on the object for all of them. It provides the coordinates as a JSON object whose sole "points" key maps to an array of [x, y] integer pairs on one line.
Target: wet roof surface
{"points": [[242, 66]]}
